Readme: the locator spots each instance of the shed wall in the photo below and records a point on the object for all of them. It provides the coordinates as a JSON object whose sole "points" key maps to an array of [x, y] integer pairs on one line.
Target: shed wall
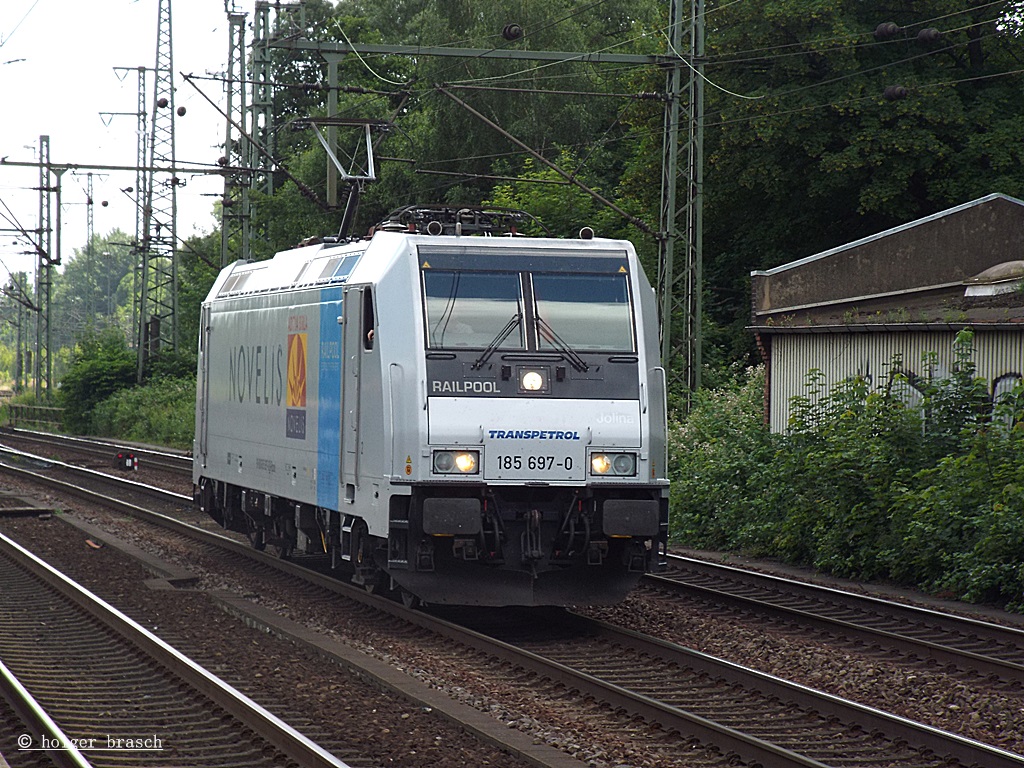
{"points": [[998, 357]]}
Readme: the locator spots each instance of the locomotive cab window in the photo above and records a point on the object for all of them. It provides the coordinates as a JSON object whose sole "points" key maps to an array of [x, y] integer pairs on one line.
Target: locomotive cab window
{"points": [[473, 309], [583, 312], [369, 324]]}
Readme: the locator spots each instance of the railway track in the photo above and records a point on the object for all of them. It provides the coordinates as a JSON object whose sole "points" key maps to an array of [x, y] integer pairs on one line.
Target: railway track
{"points": [[119, 695], [730, 709], [756, 716], [103, 452], [21, 714], [989, 650]]}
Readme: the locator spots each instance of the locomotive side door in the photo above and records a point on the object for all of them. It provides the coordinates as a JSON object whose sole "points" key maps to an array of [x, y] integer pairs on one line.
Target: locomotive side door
{"points": [[352, 346], [203, 385]]}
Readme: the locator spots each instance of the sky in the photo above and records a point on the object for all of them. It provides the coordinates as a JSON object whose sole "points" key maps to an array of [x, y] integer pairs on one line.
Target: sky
{"points": [[57, 75]]}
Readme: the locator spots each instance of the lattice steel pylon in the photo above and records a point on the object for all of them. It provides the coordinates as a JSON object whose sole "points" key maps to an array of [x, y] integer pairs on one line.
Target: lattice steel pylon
{"points": [[158, 284], [289, 19], [44, 282], [262, 104], [236, 206], [680, 291]]}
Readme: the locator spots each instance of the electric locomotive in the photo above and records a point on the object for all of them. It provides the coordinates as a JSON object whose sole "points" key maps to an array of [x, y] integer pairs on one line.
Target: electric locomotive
{"points": [[463, 417]]}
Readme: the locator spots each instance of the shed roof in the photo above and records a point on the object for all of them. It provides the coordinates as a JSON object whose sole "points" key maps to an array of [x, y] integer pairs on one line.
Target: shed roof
{"points": [[915, 272]]}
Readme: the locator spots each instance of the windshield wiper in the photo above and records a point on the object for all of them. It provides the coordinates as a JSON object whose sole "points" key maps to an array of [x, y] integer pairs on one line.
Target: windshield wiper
{"points": [[558, 343], [497, 340]]}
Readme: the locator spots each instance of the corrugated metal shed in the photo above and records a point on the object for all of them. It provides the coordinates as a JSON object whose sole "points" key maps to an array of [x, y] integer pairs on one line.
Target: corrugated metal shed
{"points": [[895, 296], [875, 356]]}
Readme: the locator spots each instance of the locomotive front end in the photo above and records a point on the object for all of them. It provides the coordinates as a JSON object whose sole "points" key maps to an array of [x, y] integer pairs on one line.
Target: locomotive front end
{"points": [[541, 477]]}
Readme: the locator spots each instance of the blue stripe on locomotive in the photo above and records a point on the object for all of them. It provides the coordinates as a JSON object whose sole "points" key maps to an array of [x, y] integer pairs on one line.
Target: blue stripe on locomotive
{"points": [[329, 399]]}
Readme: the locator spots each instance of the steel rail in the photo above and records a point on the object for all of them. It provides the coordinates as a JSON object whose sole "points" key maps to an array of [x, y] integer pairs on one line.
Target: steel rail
{"points": [[174, 462], [38, 720], [947, 654], [149, 490], [271, 728], [968, 751]]}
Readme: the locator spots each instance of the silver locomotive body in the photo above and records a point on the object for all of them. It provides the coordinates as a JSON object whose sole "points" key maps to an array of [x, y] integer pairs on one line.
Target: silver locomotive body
{"points": [[469, 420]]}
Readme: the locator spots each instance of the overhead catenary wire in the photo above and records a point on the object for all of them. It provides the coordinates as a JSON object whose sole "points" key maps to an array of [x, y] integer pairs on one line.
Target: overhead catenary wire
{"points": [[5, 40], [709, 60], [872, 42], [639, 223], [470, 83]]}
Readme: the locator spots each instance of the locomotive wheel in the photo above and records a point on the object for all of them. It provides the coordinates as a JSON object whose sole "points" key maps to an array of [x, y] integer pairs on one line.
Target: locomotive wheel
{"points": [[374, 584], [283, 539], [283, 549], [257, 534]]}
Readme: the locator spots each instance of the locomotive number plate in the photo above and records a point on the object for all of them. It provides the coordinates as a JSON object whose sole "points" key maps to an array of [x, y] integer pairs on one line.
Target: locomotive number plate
{"points": [[506, 465]]}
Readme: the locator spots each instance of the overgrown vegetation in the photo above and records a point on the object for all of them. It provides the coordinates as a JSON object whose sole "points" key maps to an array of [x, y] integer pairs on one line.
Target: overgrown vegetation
{"points": [[100, 397], [161, 412], [101, 364], [864, 484]]}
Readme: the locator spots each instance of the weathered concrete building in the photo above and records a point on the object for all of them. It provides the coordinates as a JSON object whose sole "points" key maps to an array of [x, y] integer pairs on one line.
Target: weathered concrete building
{"points": [[897, 296]]}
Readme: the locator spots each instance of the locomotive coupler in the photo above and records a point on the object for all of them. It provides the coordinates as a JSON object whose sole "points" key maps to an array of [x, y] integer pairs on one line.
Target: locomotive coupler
{"points": [[466, 549], [596, 552], [425, 556], [532, 549], [636, 557]]}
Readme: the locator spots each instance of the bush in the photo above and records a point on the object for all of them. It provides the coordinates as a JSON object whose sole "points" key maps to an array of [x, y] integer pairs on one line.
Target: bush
{"points": [[717, 458], [863, 485], [962, 522], [171, 365], [161, 412], [101, 365]]}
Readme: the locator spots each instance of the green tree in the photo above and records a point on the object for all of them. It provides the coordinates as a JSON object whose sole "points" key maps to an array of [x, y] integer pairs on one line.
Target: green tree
{"points": [[805, 152], [451, 154], [101, 365], [198, 267], [93, 290]]}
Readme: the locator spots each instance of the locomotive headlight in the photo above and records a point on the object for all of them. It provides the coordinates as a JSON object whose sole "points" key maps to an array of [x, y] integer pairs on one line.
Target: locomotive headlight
{"points": [[532, 381], [456, 462], [444, 461], [465, 462], [624, 464], [613, 464]]}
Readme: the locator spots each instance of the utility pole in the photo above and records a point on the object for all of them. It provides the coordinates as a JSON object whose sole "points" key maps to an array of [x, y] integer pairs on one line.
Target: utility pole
{"points": [[287, 22], [42, 270], [143, 175], [90, 257], [235, 214], [48, 251], [158, 289], [680, 291]]}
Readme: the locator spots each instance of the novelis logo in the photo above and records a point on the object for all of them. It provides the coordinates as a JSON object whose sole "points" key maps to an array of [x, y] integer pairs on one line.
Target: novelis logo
{"points": [[295, 416]]}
